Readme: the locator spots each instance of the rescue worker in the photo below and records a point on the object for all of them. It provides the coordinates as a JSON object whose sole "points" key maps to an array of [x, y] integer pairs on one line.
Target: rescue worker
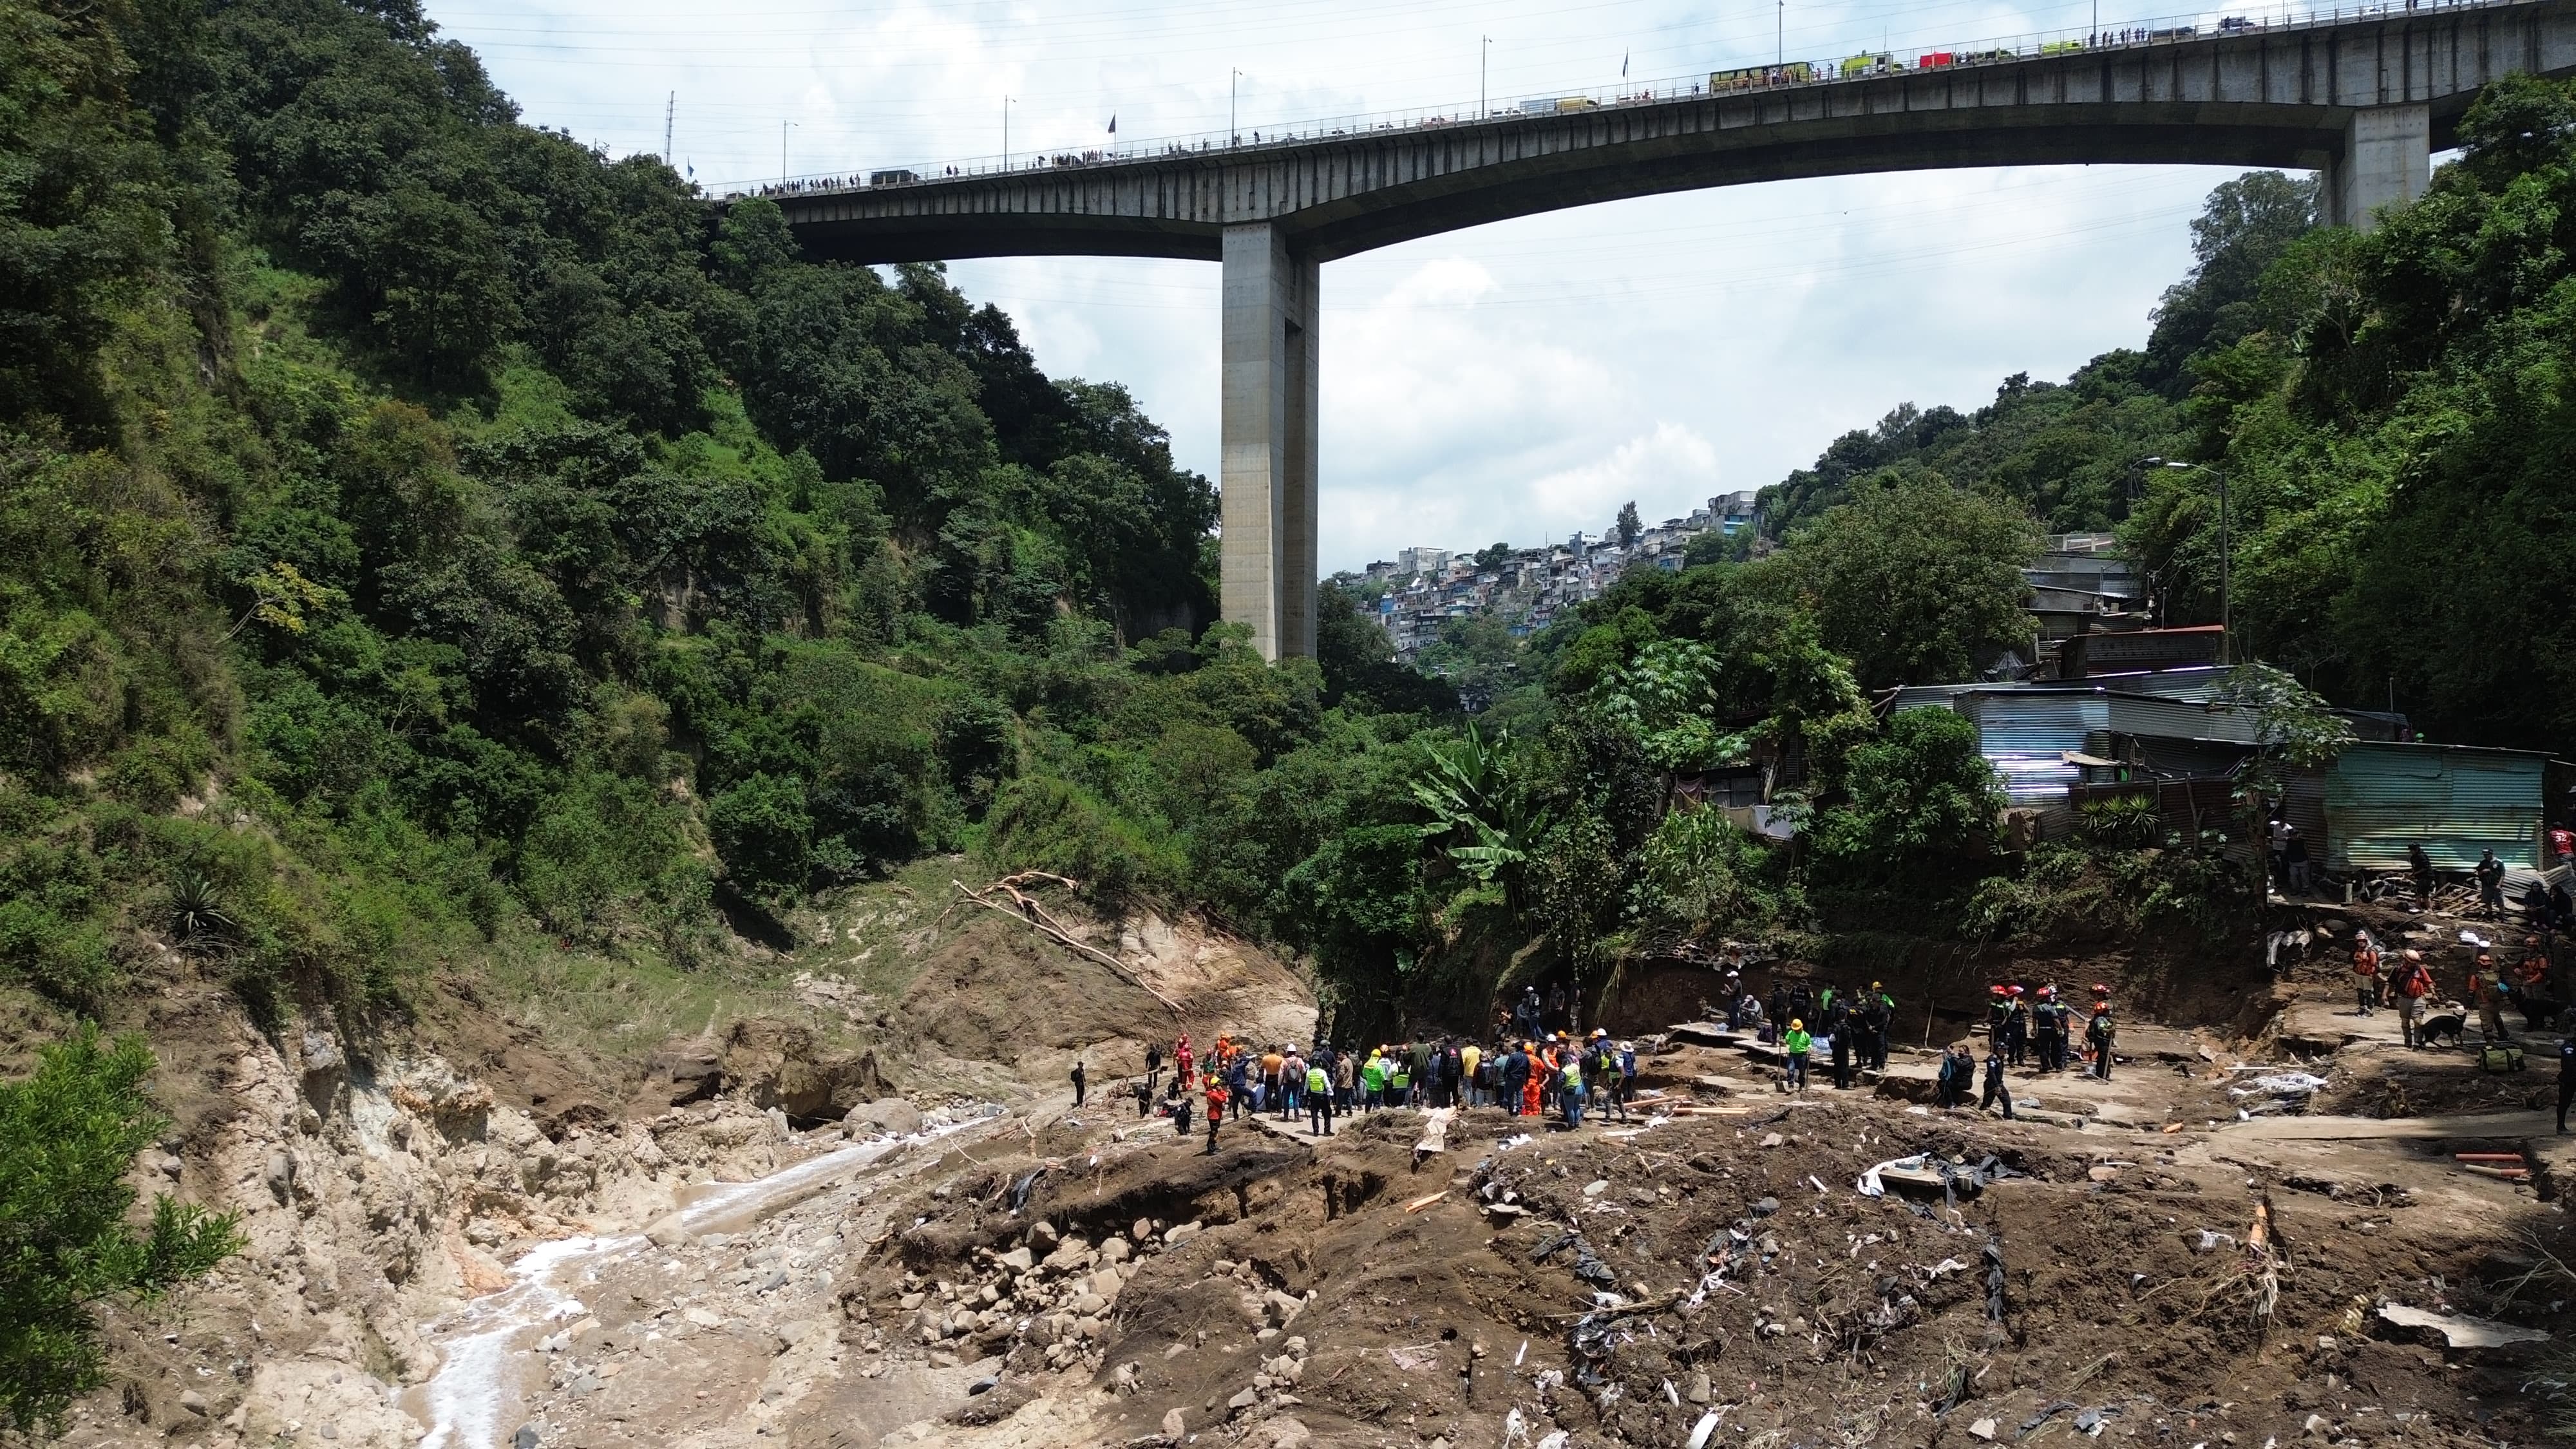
{"points": [[1181, 1061], [1081, 1081], [1177, 1105], [1958, 1069], [1996, 1091], [1869, 1029], [2048, 1020], [1998, 1007], [1533, 1081], [2367, 988], [2100, 1033], [2016, 1026], [2407, 986], [1627, 1077], [1569, 1095], [1373, 1080], [1887, 1025], [2486, 993], [1794, 1046], [1838, 1031], [2419, 866], [1216, 1100], [2490, 874], [1319, 1100]]}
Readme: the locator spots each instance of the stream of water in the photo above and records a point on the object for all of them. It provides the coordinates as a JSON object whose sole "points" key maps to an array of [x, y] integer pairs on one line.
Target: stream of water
{"points": [[476, 1383]]}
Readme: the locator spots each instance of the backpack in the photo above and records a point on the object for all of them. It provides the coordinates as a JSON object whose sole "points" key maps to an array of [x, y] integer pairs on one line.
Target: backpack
{"points": [[2499, 1057]]}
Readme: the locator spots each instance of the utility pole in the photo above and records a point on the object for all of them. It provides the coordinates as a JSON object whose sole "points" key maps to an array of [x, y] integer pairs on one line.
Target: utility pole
{"points": [[782, 151], [1780, 37], [1006, 133], [1233, 127], [1484, 63], [2226, 560], [670, 110]]}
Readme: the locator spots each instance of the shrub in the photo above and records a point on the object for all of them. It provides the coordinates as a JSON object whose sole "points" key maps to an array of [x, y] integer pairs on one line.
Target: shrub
{"points": [[68, 1135]]}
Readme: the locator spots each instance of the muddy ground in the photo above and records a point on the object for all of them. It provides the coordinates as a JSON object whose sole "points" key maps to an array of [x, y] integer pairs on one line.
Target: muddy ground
{"points": [[2188, 1254]]}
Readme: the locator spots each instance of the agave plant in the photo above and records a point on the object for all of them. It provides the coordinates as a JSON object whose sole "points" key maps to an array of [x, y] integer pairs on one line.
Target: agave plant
{"points": [[197, 917]]}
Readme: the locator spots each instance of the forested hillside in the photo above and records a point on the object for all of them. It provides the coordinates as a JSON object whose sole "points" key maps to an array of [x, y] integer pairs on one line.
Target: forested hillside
{"points": [[421, 531]]}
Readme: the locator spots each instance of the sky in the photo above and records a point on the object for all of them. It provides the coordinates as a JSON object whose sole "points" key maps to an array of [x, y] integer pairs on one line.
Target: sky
{"points": [[1513, 382]]}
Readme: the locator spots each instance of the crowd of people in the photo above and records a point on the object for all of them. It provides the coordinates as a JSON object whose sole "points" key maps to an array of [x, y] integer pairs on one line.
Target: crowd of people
{"points": [[1543, 1074]]}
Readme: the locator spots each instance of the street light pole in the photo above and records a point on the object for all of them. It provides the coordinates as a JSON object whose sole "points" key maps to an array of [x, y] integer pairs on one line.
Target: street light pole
{"points": [[1484, 63], [1780, 37], [1233, 121], [2226, 559], [1006, 133]]}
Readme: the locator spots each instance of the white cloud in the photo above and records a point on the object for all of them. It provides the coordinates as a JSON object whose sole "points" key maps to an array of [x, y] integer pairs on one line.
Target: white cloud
{"points": [[1515, 381]]}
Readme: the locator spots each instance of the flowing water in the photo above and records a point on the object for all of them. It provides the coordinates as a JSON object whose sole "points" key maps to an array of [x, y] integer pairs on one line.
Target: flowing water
{"points": [[466, 1401]]}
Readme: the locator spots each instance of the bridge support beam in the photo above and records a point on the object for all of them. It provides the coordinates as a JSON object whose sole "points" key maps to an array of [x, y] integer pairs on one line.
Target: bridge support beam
{"points": [[2387, 161], [1267, 431]]}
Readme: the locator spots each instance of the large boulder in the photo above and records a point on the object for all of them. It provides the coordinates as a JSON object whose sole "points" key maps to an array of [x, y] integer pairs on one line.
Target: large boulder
{"points": [[886, 1117]]}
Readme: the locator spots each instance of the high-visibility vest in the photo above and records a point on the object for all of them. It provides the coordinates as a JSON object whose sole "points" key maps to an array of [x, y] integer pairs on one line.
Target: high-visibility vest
{"points": [[1316, 1081]]}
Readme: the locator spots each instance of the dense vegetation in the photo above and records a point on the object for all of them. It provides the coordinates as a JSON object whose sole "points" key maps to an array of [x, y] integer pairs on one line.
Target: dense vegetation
{"points": [[420, 533]]}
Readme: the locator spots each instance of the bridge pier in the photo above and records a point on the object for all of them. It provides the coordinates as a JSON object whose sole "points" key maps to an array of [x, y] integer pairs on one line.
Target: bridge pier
{"points": [[1267, 431], [2387, 160]]}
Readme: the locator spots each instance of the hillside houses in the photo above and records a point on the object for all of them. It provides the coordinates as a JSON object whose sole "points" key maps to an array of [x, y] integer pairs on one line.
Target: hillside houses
{"points": [[1416, 593]]}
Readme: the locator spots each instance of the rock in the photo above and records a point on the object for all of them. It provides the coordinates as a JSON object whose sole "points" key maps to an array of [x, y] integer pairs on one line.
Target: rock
{"points": [[1700, 1389], [1115, 1250], [704, 1318], [1983, 1428], [1142, 1230], [2458, 1330], [1281, 1307], [1181, 1233], [1596, 1187], [1174, 1424], [1296, 1346], [526, 1438], [193, 1402], [1766, 1207], [885, 1117], [1267, 1336], [2316, 1424], [1018, 1260], [1771, 1139], [1090, 1305], [1106, 1283], [668, 1231], [983, 1385], [1243, 1400], [1042, 1234]]}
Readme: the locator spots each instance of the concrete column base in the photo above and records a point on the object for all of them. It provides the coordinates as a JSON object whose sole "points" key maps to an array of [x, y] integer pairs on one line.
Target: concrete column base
{"points": [[1267, 416], [2387, 161]]}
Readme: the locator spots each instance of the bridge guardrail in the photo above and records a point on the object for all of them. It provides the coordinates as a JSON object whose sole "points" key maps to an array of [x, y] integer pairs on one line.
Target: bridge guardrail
{"points": [[1791, 75]]}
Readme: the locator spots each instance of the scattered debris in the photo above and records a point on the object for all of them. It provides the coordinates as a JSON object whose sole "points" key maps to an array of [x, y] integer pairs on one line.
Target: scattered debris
{"points": [[2459, 1330]]}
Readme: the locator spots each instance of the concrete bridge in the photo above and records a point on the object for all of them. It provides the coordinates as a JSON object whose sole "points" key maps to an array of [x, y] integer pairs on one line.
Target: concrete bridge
{"points": [[2365, 97]]}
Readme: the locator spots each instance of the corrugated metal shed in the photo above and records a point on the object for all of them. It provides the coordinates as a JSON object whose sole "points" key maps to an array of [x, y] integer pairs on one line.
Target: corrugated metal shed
{"points": [[2026, 733], [2179, 719], [2457, 800]]}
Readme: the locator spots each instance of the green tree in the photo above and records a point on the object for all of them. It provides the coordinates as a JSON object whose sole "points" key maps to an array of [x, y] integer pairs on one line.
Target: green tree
{"points": [[1629, 525], [68, 1136], [1915, 581], [1921, 796]]}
